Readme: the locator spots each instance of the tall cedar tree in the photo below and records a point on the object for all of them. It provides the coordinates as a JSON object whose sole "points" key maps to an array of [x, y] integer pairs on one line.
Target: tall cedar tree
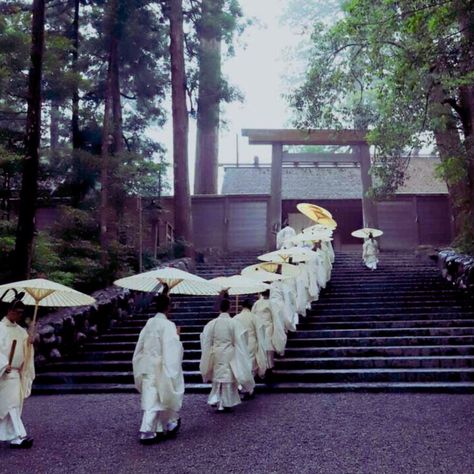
{"points": [[209, 32], [182, 199], [29, 188], [112, 141]]}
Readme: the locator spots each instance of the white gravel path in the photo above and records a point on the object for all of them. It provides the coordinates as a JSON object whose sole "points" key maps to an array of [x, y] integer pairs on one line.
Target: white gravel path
{"points": [[291, 433]]}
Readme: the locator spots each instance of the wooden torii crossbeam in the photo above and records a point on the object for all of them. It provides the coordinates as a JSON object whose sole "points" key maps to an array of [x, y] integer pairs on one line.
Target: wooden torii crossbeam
{"points": [[277, 138]]}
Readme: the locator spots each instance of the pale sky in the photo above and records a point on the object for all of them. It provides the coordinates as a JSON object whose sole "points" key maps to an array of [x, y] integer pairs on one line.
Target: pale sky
{"points": [[257, 69]]}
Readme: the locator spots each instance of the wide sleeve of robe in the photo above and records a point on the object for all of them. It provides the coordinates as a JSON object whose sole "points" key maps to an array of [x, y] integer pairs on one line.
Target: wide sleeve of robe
{"points": [[241, 363], [27, 372], [170, 378], [206, 364], [279, 336], [260, 355], [139, 360]]}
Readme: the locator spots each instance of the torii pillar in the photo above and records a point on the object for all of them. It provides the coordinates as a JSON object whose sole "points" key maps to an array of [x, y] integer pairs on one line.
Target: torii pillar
{"points": [[369, 208], [275, 203]]}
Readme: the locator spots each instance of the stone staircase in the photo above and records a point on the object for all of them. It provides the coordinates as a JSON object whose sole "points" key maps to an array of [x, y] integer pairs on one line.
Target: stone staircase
{"points": [[400, 328]]}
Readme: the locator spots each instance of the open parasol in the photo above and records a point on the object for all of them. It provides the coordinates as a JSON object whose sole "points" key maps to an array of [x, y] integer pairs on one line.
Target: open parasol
{"points": [[240, 285], [365, 233], [256, 272], [317, 214], [312, 236], [42, 292], [287, 270], [178, 281], [296, 254], [237, 285]]}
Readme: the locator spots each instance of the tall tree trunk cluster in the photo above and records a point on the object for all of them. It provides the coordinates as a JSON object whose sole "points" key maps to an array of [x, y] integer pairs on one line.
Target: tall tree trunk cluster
{"points": [[112, 139], [182, 199], [209, 96], [29, 186]]}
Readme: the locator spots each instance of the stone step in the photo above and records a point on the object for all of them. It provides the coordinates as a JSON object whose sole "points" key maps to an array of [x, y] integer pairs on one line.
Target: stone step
{"points": [[430, 387], [279, 376], [312, 352], [288, 363], [315, 325], [331, 334], [377, 341], [317, 318], [374, 375]]}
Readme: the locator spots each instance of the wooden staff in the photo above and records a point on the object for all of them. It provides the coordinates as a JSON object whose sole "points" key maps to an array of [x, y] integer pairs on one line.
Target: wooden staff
{"points": [[12, 352]]}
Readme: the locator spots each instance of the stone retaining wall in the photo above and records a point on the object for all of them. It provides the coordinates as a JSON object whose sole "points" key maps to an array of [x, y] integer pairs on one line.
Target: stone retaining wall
{"points": [[457, 269], [63, 332]]}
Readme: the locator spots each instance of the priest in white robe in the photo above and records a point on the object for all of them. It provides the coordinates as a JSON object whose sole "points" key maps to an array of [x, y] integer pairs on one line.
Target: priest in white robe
{"points": [[283, 300], [225, 360], [275, 336], [254, 337], [327, 246], [370, 253], [303, 300], [284, 236], [324, 262], [158, 373], [16, 376]]}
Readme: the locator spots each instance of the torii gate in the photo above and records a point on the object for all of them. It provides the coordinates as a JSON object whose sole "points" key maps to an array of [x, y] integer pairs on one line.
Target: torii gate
{"points": [[356, 139]]}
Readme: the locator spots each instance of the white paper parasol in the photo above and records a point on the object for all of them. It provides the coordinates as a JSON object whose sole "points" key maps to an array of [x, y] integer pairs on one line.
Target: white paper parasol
{"points": [[41, 292], [312, 236], [297, 255], [256, 272], [240, 285], [178, 281], [318, 214], [287, 270], [365, 232]]}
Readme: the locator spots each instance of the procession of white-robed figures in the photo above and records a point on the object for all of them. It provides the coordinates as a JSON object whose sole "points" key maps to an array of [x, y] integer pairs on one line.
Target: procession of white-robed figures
{"points": [[235, 351]]}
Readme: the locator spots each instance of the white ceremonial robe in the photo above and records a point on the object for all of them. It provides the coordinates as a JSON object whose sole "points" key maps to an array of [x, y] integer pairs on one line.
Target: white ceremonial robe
{"points": [[275, 336], [370, 254], [255, 339], [277, 301], [327, 245], [289, 289], [302, 293], [158, 373], [284, 236], [282, 298], [225, 361], [313, 267], [15, 386], [327, 265]]}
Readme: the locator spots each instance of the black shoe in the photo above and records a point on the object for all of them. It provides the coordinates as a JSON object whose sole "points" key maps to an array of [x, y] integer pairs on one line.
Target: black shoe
{"points": [[26, 443], [172, 433], [153, 440]]}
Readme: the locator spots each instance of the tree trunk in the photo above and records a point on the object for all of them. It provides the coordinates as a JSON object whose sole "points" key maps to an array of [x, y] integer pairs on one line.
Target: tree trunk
{"points": [[116, 99], [466, 97], [76, 139], [54, 125], [29, 185], [209, 96], [104, 168], [76, 188], [450, 148], [112, 139], [182, 199]]}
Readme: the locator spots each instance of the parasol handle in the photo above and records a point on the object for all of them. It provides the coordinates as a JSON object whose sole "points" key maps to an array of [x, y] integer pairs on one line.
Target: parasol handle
{"points": [[33, 322], [12, 352]]}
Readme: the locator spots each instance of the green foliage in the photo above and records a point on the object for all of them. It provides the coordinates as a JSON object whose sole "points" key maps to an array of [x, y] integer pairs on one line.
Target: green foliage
{"points": [[452, 170]]}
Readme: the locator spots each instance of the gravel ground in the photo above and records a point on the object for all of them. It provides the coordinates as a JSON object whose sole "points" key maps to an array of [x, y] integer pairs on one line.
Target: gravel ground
{"points": [[293, 433]]}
